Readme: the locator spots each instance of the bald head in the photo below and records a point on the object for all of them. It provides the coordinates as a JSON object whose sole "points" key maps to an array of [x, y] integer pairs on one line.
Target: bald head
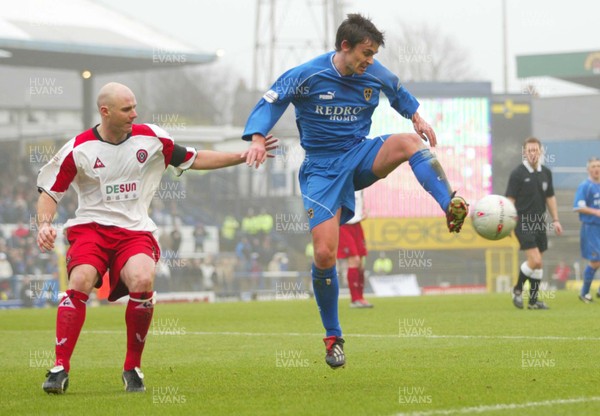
{"points": [[111, 93], [116, 105]]}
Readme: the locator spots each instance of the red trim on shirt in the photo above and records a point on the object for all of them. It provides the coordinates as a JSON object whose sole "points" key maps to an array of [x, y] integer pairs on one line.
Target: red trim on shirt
{"points": [[86, 136], [66, 174], [167, 150], [142, 130]]}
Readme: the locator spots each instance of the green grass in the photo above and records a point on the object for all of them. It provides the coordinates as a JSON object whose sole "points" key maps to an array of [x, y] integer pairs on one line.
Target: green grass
{"points": [[471, 351]]}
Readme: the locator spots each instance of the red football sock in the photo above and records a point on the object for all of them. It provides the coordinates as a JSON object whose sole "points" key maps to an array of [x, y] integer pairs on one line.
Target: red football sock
{"points": [[353, 284], [137, 317], [361, 283], [70, 317]]}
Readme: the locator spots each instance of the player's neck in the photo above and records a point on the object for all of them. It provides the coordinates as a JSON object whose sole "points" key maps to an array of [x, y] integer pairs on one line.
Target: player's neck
{"points": [[338, 62], [110, 136], [534, 165]]}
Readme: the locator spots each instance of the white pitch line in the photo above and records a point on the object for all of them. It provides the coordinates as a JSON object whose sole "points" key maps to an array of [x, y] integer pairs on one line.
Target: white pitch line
{"points": [[501, 407], [166, 330]]}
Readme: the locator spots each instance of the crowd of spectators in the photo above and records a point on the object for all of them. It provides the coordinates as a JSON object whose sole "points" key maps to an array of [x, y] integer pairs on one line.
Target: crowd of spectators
{"points": [[22, 265]]}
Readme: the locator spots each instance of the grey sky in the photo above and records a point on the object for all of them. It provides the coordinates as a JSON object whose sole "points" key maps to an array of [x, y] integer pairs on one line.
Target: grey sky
{"points": [[534, 26]]}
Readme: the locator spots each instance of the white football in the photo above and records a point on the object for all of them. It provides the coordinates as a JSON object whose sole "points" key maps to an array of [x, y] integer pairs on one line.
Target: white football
{"points": [[494, 217]]}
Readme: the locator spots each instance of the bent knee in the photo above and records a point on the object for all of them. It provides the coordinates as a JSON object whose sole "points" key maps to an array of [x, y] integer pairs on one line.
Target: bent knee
{"points": [[83, 278], [397, 149], [406, 144], [142, 279], [325, 258]]}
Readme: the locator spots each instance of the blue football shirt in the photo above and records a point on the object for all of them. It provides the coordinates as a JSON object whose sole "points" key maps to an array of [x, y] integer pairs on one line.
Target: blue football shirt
{"points": [[333, 112], [588, 195]]}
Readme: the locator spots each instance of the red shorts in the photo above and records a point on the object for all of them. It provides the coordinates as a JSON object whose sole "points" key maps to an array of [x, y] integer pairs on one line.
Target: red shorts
{"points": [[108, 247], [352, 241]]}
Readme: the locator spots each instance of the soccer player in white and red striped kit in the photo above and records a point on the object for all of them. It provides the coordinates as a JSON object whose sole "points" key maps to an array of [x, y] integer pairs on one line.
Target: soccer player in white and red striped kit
{"points": [[353, 247], [115, 168]]}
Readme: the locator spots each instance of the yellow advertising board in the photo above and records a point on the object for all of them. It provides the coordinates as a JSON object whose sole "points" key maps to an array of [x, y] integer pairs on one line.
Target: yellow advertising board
{"points": [[426, 234]]}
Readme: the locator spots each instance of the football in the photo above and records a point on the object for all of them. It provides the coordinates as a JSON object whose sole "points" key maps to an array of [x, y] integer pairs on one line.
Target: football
{"points": [[494, 217]]}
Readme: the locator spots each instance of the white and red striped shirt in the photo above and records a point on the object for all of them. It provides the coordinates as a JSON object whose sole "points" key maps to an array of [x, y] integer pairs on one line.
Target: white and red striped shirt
{"points": [[115, 183]]}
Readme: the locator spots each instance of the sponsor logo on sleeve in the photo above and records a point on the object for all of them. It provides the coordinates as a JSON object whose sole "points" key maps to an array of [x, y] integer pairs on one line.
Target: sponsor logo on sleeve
{"points": [[271, 96]]}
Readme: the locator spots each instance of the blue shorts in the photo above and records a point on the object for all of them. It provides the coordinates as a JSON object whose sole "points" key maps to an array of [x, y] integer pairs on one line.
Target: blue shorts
{"points": [[328, 181], [590, 241]]}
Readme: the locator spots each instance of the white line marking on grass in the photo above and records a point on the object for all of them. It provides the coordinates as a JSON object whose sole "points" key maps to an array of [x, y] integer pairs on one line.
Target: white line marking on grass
{"points": [[501, 407], [390, 336], [515, 337]]}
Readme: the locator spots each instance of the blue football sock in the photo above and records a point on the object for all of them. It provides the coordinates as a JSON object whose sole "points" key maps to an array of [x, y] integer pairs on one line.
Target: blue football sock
{"points": [[588, 276], [325, 285], [431, 176]]}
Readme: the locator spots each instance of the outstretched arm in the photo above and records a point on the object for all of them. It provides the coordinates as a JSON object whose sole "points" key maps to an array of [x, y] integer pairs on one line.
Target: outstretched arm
{"points": [[257, 152], [211, 159]]}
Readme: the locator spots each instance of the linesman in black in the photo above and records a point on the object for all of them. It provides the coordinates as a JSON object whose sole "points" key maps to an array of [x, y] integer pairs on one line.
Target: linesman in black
{"points": [[530, 189]]}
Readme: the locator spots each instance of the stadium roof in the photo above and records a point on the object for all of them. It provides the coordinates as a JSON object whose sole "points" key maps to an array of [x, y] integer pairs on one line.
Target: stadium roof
{"points": [[95, 58], [581, 68], [85, 35]]}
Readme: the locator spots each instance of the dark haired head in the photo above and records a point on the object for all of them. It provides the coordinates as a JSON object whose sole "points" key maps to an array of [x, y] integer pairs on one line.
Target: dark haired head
{"points": [[356, 29]]}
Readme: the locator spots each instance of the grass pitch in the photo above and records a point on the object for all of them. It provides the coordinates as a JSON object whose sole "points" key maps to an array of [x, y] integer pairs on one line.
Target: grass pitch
{"points": [[432, 355]]}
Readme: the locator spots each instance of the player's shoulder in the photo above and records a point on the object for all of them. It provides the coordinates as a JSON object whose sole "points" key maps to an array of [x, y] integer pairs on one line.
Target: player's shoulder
{"points": [[519, 170], [149, 130], [546, 170], [84, 137], [321, 63], [379, 68], [585, 184], [381, 73]]}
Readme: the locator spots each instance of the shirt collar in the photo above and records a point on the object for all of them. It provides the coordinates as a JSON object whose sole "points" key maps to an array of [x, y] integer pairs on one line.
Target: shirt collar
{"points": [[530, 168]]}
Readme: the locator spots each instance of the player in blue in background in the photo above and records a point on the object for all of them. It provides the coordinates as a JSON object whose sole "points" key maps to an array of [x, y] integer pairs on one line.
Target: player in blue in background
{"points": [[334, 96], [587, 204]]}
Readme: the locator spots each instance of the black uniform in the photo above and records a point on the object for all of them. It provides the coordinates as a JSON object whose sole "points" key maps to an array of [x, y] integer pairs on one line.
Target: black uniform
{"points": [[530, 189]]}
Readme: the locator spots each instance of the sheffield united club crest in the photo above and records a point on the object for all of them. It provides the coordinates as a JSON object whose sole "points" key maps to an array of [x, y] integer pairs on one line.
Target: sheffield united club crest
{"points": [[142, 155]]}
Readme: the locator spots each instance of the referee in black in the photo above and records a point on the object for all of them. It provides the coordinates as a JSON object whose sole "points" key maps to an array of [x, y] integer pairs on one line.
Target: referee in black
{"points": [[530, 189]]}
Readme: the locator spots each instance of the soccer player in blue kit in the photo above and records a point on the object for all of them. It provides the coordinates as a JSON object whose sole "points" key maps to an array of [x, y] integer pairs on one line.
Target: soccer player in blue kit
{"points": [[334, 96], [587, 204]]}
